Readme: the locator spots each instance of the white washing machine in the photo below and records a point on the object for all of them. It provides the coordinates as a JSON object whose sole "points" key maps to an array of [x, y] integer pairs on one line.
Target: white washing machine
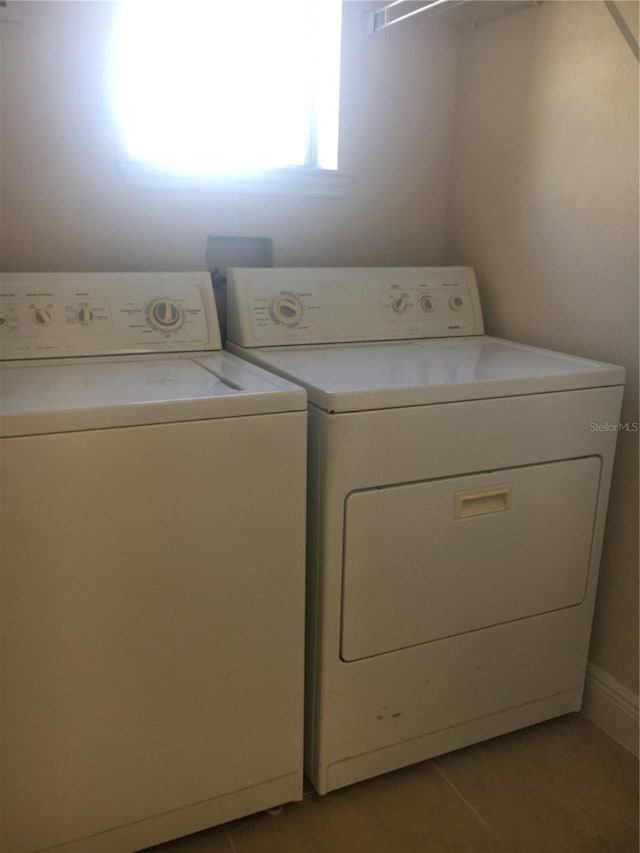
{"points": [[458, 490], [152, 566]]}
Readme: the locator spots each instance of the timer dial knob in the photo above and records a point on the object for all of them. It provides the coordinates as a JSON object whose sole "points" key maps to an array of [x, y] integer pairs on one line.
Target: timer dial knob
{"points": [[3, 320], [42, 316], [286, 309], [165, 314], [401, 303], [427, 303], [456, 303]]}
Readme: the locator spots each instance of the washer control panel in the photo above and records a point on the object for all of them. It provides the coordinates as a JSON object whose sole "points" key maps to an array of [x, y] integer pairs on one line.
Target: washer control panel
{"points": [[80, 314], [275, 307]]}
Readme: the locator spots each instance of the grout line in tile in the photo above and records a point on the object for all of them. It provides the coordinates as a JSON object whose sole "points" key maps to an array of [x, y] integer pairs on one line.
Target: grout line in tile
{"points": [[233, 847], [467, 804]]}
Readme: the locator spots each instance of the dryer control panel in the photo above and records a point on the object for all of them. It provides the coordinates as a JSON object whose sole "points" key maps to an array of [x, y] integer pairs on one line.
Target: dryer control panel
{"points": [[276, 307], [48, 315]]}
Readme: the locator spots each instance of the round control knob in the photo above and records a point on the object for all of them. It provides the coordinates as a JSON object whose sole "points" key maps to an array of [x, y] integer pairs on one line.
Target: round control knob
{"points": [[401, 303], [85, 315], [286, 309], [165, 314], [42, 316], [3, 320], [427, 303], [456, 303]]}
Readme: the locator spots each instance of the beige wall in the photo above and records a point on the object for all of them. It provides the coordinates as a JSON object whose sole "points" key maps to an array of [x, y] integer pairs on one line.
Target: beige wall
{"points": [[544, 203], [65, 207]]}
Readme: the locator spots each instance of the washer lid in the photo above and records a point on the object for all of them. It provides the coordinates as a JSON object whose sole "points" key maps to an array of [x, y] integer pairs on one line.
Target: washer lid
{"points": [[360, 377], [48, 397]]}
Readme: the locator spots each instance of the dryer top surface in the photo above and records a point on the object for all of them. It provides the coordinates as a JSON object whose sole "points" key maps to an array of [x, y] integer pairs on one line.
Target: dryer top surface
{"points": [[360, 377]]}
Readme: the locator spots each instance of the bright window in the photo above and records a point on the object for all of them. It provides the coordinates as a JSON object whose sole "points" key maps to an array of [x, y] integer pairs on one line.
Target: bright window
{"points": [[205, 87]]}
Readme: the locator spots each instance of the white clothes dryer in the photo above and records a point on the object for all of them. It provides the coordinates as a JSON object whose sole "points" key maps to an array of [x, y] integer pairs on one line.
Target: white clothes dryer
{"points": [[152, 566], [458, 488]]}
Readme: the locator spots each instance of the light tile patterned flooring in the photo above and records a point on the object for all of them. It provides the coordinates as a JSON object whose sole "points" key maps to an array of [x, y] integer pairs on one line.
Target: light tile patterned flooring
{"points": [[558, 787]]}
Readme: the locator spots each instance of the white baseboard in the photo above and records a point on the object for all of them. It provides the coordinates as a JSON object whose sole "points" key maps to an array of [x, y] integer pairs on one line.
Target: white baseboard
{"points": [[612, 707]]}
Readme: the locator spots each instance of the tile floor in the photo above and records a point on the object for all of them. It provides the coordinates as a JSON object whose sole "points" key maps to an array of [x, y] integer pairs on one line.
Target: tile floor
{"points": [[558, 787]]}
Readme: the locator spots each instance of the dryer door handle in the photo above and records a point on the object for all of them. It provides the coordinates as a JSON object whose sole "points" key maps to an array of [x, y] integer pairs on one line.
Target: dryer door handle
{"points": [[471, 502]]}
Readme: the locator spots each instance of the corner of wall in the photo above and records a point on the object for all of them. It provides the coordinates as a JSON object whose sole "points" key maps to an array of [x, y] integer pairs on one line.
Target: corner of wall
{"points": [[612, 708]]}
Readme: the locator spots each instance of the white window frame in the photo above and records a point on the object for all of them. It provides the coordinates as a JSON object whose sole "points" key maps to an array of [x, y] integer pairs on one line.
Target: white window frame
{"points": [[290, 181]]}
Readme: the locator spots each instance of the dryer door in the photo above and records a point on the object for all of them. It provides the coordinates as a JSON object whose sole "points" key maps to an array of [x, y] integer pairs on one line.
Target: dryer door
{"points": [[429, 560]]}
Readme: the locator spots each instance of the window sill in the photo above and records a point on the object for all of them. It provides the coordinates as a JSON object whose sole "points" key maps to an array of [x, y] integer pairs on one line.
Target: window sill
{"points": [[317, 183]]}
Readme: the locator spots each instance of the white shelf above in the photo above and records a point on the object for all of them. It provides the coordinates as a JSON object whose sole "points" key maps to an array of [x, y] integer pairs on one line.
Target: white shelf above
{"points": [[464, 14]]}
